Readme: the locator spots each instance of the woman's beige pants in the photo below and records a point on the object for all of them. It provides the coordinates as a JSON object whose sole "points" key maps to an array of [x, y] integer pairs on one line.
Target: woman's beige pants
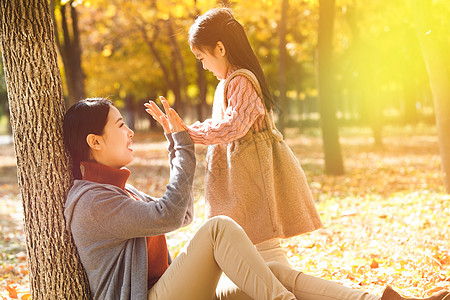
{"points": [[221, 245]]}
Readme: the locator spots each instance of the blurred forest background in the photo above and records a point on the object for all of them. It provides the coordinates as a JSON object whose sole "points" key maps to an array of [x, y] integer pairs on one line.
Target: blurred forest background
{"points": [[357, 67], [133, 51]]}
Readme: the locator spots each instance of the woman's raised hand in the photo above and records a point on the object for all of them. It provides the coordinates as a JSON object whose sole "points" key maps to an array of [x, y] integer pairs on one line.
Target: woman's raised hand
{"points": [[170, 121]]}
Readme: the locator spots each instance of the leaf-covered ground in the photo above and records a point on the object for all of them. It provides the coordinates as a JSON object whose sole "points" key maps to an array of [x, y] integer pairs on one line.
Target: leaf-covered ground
{"points": [[386, 221]]}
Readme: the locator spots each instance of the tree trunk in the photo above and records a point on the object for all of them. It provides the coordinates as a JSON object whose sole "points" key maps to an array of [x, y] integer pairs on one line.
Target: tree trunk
{"points": [[435, 51], [178, 65], [130, 109], [172, 81], [37, 109], [201, 81], [282, 66], [327, 104], [70, 51]]}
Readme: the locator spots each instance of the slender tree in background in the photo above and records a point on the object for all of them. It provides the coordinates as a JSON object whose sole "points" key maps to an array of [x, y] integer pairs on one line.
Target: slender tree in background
{"points": [[201, 79], [282, 65], [201, 82], [4, 107], [327, 104], [37, 108], [435, 49], [69, 48]]}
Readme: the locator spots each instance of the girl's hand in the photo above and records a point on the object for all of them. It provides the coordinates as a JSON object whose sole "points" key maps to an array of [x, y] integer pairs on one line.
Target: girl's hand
{"points": [[175, 122], [171, 121]]}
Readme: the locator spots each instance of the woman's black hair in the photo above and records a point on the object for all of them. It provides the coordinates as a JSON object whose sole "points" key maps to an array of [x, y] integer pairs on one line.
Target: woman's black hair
{"points": [[219, 24], [81, 119]]}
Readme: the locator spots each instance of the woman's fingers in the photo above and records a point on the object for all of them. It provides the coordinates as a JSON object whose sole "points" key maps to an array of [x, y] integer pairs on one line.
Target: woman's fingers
{"points": [[158, 115], [170, 121], [155, 110], [165, 104], [169, 114]]}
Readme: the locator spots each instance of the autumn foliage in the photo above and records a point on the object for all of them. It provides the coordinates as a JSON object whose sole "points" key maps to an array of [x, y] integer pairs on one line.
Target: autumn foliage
{"points": [[386, 220]]}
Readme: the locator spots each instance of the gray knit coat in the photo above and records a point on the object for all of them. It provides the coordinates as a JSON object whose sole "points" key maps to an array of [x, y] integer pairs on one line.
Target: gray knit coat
{"points": [[109, 227]]}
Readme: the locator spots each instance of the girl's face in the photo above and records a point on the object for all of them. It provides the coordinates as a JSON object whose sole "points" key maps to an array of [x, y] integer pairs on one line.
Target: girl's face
{"points": [[215, 62], [112, 148]]}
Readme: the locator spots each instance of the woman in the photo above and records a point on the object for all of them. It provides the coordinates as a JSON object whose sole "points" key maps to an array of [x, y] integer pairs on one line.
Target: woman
{"points": [[119, 231]]}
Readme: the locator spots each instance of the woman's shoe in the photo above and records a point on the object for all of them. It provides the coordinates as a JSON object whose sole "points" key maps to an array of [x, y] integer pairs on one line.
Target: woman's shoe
{"points": [[390, 294]]}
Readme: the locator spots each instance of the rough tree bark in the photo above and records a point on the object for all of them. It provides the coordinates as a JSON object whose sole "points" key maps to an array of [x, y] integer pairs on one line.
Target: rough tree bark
{"points": [[37, 108], [327, 104]]}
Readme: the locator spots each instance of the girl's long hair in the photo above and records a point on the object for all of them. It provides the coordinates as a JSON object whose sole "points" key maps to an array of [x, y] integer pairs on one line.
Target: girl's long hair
{"points": [[81, 119], [219, 24]]}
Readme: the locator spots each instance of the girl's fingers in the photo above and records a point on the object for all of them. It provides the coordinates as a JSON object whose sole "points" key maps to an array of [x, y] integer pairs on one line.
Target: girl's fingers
{"points": [[165, 124], [175, 120], [177, 117]]}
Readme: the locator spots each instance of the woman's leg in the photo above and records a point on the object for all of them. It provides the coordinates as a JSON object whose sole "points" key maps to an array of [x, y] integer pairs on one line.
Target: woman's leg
{"points": [[271, 251], [308, 287], [219, 245], [227, 290]]}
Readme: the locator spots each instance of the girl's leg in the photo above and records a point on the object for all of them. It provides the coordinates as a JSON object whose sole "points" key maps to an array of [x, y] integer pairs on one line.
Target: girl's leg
{"points": [[308, 287], [271, 251], [219, 245]]}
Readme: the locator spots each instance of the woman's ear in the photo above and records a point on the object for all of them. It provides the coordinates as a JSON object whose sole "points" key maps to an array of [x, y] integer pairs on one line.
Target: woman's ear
{"points": [[93, 141], [220, 47]]}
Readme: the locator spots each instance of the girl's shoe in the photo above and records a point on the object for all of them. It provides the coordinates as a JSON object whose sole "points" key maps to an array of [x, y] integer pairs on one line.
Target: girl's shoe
{"points": [[390, 294]]}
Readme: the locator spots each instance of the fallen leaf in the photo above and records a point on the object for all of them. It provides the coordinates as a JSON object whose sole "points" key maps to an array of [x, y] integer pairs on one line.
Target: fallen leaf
{"points": [[12, 292]]}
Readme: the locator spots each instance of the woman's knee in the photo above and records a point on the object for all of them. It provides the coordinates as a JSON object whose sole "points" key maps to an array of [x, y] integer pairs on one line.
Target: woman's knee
{"points": [[222, 221], [223, 224]]}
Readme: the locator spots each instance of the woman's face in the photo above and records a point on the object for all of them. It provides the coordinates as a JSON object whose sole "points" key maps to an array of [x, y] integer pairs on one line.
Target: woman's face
{"points": [[114, 144], [215, 62]]}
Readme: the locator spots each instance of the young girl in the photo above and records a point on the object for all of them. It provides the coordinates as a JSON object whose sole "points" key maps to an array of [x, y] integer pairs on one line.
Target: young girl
{"points": [[249, 190], [119, 231]]}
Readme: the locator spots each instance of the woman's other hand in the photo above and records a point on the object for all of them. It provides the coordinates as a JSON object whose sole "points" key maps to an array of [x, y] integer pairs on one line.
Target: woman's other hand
{"points": [[170, 121]]}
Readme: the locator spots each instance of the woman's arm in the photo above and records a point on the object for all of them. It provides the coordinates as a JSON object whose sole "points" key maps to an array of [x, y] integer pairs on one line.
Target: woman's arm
{"points": [[124, 217], [244, 107]]}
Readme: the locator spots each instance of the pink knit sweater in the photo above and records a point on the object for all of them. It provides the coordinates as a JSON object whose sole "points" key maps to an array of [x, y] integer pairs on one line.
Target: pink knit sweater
{"points": [[245, 110]]}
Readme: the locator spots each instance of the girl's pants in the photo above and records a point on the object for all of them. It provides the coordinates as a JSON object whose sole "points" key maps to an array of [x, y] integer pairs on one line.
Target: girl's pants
{"points": [[303, 286], [271, 251], [221, 245]]}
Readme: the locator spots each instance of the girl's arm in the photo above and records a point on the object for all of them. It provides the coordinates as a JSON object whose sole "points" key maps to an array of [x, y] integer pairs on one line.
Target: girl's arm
{"points": [[244, 107]]}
